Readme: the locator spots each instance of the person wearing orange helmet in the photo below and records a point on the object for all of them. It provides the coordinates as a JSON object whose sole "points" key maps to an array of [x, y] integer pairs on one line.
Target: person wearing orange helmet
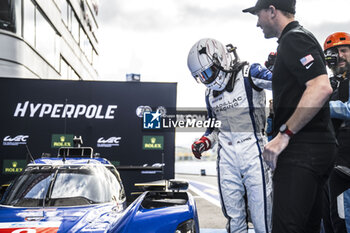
{"points": [[336, 48], [337, 53]]}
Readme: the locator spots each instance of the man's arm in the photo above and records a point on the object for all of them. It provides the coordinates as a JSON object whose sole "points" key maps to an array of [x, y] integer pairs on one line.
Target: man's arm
{"points": [[316, 94], [318, 91], [261, 76]]}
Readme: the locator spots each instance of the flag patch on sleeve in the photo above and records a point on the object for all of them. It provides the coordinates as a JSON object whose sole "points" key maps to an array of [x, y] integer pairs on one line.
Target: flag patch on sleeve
{"points": [[307, 60]]}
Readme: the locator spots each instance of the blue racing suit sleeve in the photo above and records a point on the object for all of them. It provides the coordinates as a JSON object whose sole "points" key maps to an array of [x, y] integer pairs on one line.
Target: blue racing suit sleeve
{"points": [[340, 110], [269, 129], [261, 76]]}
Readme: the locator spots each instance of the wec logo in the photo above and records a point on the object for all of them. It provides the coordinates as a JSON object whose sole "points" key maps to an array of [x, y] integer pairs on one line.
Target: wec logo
{"points": [[15, 141], [112, 141], [19, 138]]}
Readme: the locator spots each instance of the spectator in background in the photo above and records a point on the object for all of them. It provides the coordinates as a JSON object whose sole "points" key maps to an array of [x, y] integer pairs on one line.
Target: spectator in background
{"points": [[337, 51]]}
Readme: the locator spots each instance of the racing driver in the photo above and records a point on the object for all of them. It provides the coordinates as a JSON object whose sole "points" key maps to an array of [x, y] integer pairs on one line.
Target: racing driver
{"points": [[235, 96]]}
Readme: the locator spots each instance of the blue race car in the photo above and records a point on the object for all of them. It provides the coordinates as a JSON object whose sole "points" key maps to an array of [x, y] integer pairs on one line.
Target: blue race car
{"points": [[75, 193]]}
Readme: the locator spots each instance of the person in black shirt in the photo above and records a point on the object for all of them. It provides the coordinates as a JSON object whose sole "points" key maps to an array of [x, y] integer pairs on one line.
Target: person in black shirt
{"points": [[303, 149]]}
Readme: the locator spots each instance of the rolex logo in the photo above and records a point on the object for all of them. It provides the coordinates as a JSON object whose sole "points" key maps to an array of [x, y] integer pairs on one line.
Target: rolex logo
{"points": [[62, 138], [14, 164], [153, 140]]}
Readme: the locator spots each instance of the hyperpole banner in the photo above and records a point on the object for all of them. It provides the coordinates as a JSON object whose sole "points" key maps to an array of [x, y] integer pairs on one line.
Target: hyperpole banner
{"points": [[39, 116]]}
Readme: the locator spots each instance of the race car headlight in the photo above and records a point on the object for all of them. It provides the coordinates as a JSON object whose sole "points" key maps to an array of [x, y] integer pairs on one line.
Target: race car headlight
{"points": [[186, 227]]}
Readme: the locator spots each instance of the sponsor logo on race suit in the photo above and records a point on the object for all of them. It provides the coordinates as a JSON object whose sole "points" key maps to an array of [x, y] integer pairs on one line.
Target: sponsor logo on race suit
{"points": [[244, 140], [226, 105]]}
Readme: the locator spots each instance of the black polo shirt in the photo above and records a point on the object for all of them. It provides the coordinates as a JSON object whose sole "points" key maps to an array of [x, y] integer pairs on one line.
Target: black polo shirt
{"points": [[299, 59]]}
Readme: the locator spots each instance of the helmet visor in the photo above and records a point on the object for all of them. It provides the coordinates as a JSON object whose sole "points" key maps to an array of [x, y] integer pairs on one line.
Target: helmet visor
{"points": [[332, 57], [209, 75]]}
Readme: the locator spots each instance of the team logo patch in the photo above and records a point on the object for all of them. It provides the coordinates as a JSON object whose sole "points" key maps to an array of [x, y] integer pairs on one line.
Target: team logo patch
{"points": [[307, 61]]}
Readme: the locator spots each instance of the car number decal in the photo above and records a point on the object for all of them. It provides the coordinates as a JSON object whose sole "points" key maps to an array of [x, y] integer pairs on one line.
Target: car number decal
{"points": [[29, 227]]}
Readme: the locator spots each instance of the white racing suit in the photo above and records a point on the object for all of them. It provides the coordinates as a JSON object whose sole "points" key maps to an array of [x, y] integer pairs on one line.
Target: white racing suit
{"points": [[240, 166]]}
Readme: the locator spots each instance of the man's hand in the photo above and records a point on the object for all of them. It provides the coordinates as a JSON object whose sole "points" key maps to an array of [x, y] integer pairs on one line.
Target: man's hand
{"points": [[269, 64], [199, 146], [274, 148]]}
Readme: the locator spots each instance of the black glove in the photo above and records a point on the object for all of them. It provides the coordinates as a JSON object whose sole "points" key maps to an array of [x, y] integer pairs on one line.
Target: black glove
{"points": [[334, 82], [271, 61]]}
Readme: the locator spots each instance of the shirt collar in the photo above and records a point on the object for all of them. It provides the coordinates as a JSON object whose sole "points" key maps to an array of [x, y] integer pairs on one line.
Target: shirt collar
{"points": [[287, 28]]}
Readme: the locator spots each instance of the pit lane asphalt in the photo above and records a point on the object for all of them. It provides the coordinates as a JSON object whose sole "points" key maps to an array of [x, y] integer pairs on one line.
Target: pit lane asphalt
{"points": [[205, 192]]}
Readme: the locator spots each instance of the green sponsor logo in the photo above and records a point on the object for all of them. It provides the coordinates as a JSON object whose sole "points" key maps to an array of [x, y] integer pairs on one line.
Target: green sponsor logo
{"points": [[61, 140], [153, 142], [13, 166]]}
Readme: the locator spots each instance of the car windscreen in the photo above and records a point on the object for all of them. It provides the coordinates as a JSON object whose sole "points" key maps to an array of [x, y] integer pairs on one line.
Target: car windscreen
{"points": [[63, 186]]}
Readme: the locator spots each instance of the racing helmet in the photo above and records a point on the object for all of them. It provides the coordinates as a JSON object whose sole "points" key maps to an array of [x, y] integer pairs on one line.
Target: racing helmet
{"points": [[330, 44], [209, 63], [336, 39]]}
